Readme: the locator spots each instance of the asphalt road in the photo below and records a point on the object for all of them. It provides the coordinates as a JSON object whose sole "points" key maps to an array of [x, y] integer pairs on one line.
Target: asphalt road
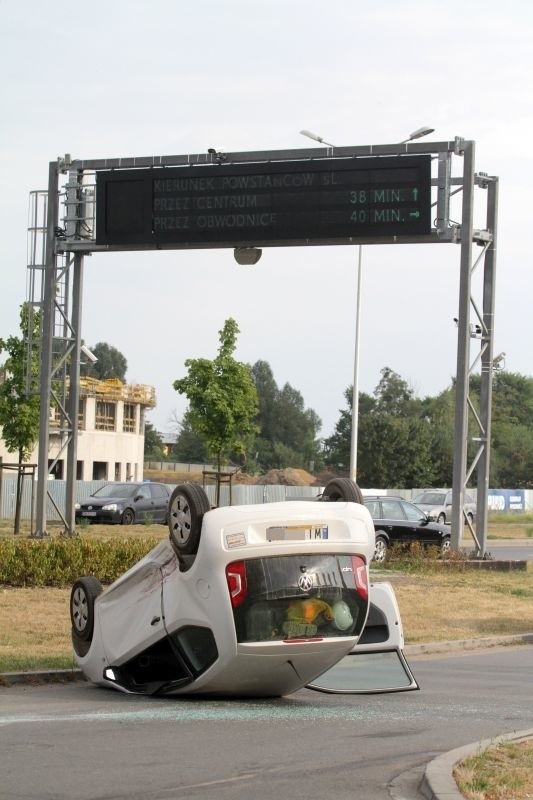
{"points": [[80, 742], [511, 552]]}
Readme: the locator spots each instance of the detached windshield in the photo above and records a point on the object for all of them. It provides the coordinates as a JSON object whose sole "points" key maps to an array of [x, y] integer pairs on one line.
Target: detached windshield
{"points": [[116, 490]]}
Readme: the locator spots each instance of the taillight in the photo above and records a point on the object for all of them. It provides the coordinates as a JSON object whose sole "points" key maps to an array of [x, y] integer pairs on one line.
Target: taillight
{"points": [[361, 576], [236, 578]]}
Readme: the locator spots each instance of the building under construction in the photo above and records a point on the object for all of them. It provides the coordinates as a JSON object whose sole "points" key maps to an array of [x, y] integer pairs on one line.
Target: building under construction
{"points": [[110, 431]]}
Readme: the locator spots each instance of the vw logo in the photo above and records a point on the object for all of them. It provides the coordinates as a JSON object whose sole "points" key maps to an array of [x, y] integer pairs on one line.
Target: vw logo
{"points": [[305, 582]]}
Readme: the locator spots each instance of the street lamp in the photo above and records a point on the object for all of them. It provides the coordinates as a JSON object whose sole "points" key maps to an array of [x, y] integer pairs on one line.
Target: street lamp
{"points": [[423, 131], [316, 137]]}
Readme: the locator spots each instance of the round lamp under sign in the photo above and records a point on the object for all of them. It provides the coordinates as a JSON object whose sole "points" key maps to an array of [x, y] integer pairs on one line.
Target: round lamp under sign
{"points": [[247, 256]]}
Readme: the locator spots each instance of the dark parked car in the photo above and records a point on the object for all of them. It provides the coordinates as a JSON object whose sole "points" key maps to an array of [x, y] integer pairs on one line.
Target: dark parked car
{"points": [[126, 503], [398, 522]]}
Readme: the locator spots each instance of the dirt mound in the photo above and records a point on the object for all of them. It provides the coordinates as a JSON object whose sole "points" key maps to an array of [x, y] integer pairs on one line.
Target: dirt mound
{"points": [[283, 477], [168, 476], [288, 477]]}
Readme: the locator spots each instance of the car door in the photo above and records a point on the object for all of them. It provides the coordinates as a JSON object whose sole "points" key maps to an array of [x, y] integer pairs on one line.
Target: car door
{"points": [[130, 611], [160, 498], [418, 530], [394, 522], [142, 502], [376, 664]]}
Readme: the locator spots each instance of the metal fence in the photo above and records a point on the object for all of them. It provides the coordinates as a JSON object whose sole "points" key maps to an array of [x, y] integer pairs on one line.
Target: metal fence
{"points": [[241, 494], [176, 466]]}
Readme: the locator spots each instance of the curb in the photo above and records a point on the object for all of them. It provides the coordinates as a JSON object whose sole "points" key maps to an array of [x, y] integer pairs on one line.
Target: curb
{"points": [[467, 644], [37, 677], [438, 782]]}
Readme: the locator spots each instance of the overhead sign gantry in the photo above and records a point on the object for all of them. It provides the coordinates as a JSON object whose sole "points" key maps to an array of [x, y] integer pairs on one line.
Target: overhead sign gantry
{"points": [[374, 194]]}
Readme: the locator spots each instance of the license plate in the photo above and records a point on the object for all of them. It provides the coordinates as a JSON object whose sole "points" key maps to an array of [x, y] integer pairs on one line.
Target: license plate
{"points": [[88, 513], [297, 533]]}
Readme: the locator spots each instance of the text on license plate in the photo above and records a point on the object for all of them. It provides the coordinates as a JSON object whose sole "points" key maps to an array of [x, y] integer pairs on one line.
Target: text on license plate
{"points": [[296, 533], [88, 513]]}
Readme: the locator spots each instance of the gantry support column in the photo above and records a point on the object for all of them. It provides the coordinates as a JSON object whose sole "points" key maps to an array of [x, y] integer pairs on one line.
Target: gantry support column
{"points": [[48, 314], [463, 349]]}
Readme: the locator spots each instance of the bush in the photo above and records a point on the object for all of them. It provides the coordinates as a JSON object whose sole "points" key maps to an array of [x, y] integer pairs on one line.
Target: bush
{"points": [[414, 558], [59, 562]]}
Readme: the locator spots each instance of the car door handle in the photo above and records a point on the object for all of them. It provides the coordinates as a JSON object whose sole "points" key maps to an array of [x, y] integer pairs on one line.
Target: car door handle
{"points": [[155, 620]]}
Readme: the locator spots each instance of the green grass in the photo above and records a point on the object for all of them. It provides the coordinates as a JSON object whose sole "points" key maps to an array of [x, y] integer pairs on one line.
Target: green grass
{"points": [[511, 518], [31, 664], [502, 772]]}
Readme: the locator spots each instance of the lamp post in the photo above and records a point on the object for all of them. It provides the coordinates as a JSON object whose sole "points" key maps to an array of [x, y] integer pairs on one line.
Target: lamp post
{"points": [[355, 396], [423, 131]]}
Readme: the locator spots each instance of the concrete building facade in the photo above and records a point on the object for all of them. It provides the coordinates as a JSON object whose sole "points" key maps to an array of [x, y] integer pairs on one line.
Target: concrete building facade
{"points": [[111, 421]]}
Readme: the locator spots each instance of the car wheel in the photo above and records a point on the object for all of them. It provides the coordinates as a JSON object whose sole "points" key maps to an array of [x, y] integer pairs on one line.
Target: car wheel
{"points": [[441, 519], [187, 507], [380, 553], [84, 593], [128, 517], [445, 546], [470, 518], [342, 490]]}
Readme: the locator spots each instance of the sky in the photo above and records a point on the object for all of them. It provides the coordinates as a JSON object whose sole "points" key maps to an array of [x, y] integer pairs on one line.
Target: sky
{"points": [[127, 78]]}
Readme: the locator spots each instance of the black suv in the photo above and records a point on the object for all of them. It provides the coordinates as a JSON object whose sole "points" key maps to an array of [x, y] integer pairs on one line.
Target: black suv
{"points": [[398, 522]]}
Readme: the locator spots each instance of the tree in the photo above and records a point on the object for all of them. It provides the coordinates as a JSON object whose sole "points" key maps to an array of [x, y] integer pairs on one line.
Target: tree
{"points": [[338, 446], [439, 412], [394, 437], [222, 398], [512, 429], [288, 431], [153, 444], [267, 394], [190, 446], [394, 396], [19, 411], [110, 364]]}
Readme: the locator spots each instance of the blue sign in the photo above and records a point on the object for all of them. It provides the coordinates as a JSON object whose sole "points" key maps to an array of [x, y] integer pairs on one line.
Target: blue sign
{"points": [[507, 500]]}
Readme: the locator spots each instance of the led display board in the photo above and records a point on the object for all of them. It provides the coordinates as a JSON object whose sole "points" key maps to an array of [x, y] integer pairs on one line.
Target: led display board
{"points": [[284, 202]]}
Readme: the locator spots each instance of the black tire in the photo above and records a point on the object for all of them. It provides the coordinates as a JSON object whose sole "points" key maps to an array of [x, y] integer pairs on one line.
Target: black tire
{"points": [[382, 547], [84, 593], [342, 490], [128, 517], [470, 518], [445, 546], [186, 510], [441, 519]]}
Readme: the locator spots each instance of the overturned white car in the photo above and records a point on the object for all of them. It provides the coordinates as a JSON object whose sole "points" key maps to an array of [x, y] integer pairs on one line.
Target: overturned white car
{"points": [[257, 600]]}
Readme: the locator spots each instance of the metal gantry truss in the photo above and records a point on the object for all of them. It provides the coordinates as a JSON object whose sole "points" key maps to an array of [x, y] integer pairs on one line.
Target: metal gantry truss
{"points": [[56, 279]]}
